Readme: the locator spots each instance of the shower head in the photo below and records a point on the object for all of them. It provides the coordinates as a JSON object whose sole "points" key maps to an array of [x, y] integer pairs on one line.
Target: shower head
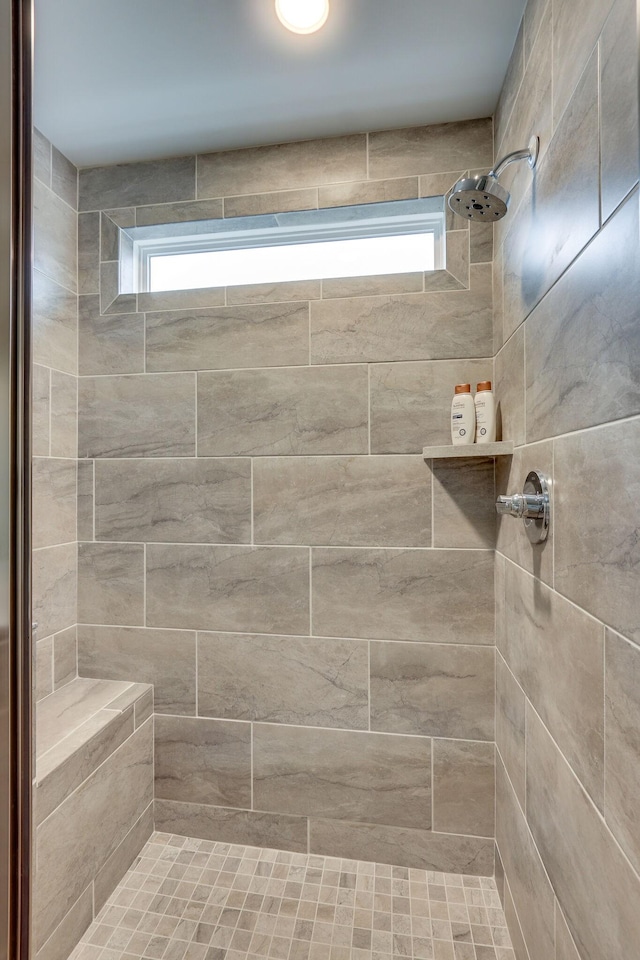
{"points": [[483, 198]]}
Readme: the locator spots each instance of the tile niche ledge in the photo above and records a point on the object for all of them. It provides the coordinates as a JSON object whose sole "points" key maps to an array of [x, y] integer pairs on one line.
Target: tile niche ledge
{"points": [[503, 448]]}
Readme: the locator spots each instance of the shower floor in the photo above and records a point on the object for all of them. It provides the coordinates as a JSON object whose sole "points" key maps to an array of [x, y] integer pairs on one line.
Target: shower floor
{"points": [[187, 899]]}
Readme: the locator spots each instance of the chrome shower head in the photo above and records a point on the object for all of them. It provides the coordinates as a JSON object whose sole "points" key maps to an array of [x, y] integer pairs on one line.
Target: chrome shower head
{"points": [[483, 198]]}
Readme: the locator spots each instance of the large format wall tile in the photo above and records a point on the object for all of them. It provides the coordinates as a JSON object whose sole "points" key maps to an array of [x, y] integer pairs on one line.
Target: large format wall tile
{"points": [[173, 501], [131, 184], [296, 680], [342, 501], [111, 583], [54, 501], [306, 163], [55, 324], [137, 416], [85, 830], [565, 678], [437, 690], [595, 303], [421, 849], [232, 826], [510, 726], [440, 596], [252, 205], [258, 589], [572, 837], [622, 743], [54, 588], [288, 411], [55, 237], [411, 402], [419, 326], [165, 658], [596, 548], [64, 415], [109, 344], [223, 337], [202, 761], [463, 787], [342, 774], [463, 503], [576, 27], [434, 149], [532, 892]]}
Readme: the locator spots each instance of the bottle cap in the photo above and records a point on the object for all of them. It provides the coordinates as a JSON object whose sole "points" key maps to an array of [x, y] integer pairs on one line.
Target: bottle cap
{"points": [[463, 388], [484, 385]]}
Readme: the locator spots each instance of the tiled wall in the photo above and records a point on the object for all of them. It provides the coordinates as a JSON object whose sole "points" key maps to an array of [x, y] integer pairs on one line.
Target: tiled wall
{"points": [[259, 535], [568, 341], [55, 400]]}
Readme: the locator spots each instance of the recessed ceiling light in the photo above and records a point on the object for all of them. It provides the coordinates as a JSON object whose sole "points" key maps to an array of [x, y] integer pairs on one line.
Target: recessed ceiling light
{"points": [[303, 16]]}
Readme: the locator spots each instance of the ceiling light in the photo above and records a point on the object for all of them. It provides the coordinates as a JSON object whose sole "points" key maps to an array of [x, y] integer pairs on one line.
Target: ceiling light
{"points": [[303, 16]]}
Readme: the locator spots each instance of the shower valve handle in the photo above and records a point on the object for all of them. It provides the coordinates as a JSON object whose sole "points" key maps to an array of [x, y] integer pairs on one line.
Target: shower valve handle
{"points": [[522, 505], [533, 506]]}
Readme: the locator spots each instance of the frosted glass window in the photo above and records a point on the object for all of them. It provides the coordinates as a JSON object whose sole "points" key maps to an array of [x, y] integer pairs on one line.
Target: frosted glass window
{"points": [[362, 257]]}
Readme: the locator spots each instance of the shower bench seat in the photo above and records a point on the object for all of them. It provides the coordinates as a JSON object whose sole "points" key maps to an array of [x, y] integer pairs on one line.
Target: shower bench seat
{"points": [[93, 802]]}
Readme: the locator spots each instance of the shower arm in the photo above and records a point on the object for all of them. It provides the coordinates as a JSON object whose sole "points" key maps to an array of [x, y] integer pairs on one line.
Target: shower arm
{"points": [[530, 154]]}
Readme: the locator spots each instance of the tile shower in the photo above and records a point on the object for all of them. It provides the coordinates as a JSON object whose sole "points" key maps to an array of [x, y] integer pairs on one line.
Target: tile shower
{"points": [[232, 515]]}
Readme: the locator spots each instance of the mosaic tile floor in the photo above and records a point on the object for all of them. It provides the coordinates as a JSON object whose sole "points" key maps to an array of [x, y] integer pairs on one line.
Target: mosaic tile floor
{"points": [[187, 899]]}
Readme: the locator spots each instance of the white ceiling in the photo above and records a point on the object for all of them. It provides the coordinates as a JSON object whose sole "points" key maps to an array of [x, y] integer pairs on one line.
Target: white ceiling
{"points": [[119, 80]]}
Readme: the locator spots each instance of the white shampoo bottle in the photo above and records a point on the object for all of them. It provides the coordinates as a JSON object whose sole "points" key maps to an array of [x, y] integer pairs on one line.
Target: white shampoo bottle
{"points": [[485, 404], [463, 416]]}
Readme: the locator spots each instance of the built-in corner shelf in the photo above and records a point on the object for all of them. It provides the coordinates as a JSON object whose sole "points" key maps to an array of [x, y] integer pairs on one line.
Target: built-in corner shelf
{"points": [[502, 449]]}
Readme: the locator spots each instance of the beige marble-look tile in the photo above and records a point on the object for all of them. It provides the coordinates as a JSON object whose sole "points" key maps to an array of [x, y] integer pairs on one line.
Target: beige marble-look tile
{"points": [[42, 668], [622, 742], [264, 293], [339, 774], [137, 184], [122, 858], [561, 211], [282, 166], [511, 85], [411, 402], [224, 337], [41, 157], [137, 416], [509, 388], [565, 945], [576, 28], [89, 253], [283, 411], [513, 542], [65, 657], [185, 212], [54, 498], [556, 652], [281, 201], [596, 551], [596, 304], [619, 108], [368, 191], [571, 837], [463, 503], [109, 344], [510, 726], [68, 932], [532, 892], [64, 178], [55, 324], [114, 296], [513, 923], [443, 596], [173, 501], [480, 242], [40, 410], [421, 849], [295, 680], [202, 761], [342, 501], [55, 237], [111, 583], [464, 787], [238, 588], [54, 571], [85, 523], [64, 415], [432, 149], [437, 690], [74, 842], [498, 298], [379, 285], [164, 658], [533, 15], [429, 326], [232, 826], [197, 299]]}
